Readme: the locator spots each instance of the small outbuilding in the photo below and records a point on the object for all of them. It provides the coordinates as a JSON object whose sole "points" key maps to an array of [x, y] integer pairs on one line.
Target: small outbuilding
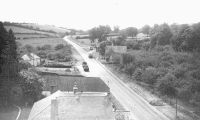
{"points": [[32, 58]]}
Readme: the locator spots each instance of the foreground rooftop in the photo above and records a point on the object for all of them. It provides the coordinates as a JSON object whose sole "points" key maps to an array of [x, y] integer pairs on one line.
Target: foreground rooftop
{"points": [[78, 106]]}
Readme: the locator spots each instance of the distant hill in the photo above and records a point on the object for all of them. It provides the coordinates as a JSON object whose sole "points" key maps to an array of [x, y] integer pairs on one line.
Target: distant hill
{"points": [[33, 30], [47, 27]]}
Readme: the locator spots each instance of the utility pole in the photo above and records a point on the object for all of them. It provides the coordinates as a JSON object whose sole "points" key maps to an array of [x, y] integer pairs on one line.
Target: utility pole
{"points": [[176, 107]]}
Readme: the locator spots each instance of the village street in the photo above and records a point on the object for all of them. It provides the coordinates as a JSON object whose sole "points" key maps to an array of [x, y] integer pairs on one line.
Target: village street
{"points": [[138, 107]]}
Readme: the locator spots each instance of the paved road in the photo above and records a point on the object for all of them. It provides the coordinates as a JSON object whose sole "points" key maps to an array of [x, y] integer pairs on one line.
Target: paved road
{"points": [[138, 107]]}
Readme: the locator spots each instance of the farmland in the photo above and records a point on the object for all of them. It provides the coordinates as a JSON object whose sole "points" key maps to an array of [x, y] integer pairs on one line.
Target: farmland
{"points": [[42, 41], [46, 27], [30, 36], [19, 30]]}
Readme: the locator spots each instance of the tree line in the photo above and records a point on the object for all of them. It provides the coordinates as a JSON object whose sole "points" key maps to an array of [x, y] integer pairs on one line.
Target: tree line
{"points": [[181, 37], [19, 83]]}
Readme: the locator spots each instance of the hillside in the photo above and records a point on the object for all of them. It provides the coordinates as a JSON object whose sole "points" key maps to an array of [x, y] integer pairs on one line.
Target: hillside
{"points": [[20, 31], [46, 27]]}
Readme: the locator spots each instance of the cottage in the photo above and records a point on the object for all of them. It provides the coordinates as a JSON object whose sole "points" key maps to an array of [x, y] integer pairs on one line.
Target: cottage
{"points": [[32, 58]]}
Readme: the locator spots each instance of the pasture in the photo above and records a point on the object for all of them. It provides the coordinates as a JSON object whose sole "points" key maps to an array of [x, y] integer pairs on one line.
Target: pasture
{"points": [[46, 27], [28, 31], [29, 36], [42, 41]]}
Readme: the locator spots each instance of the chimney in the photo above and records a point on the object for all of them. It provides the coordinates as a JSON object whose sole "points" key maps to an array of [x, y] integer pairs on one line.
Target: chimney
{"points": [[54, 109], [75, 88]]}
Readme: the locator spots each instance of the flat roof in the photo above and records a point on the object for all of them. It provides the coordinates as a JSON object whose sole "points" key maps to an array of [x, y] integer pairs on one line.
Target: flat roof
{"points": [[80, 106]]}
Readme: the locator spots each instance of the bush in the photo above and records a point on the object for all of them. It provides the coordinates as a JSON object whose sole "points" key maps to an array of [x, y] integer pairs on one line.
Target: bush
{"points": [[136, 46], [146, 46], [127, 59], [51, 56], [45, 47], [42, 54], [138, 74], [28, 48], [59, 46], [116, 58], [166, 85], [179, 71], [38, 48], [185, 94], [149, 75], [133, 45], [129, 69]]}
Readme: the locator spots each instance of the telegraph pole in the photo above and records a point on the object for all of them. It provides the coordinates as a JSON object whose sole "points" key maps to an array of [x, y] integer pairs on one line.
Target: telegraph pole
{"points": [[176, 107]]}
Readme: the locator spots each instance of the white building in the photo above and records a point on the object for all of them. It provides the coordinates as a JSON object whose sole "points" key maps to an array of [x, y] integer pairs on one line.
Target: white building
{"points": [[32, 58]]}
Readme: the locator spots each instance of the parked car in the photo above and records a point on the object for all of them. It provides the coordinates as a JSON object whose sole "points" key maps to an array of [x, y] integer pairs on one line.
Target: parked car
{"points": [[84, 63], [91, 48], [90, 56], [85, 66]]}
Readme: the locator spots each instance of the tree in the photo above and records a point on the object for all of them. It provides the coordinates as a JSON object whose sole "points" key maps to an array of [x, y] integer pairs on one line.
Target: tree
{"points": [[154, 30], [161, 35], [32, 84], [102, 47], [99, 33], [127, 59], [3, 43], [146, 29], [130, 69], [131, 31], [59, 46], [196, 37], [187, 38], [166, 85], [28, 48], [178, 38], [12, 52], [116, 29]]}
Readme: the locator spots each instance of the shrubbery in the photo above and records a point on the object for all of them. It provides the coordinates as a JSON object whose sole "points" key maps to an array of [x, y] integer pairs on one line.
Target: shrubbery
{"points": [[171, 73], [59, 46]]}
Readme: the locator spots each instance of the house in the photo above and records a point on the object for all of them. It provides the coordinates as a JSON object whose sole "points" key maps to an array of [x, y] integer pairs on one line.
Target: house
{"points": [[141, 36], [56, 82], [32, 58], [77, 106]]}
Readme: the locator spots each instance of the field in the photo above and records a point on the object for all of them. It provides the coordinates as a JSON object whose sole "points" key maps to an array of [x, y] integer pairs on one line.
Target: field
{"points": [[81, 42], [24, 30], [42, 41], [46, 27], [29, 36], [84, 41]]}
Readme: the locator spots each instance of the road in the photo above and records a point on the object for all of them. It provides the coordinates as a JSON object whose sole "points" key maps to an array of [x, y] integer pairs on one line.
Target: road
{"points": [[138, 107]]}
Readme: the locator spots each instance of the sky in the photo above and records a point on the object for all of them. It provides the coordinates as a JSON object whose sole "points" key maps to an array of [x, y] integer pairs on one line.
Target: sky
{"points": [[86, 14]]}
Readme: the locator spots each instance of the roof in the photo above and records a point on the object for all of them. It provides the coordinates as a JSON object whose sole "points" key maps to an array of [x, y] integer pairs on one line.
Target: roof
{"points": [[66, 83], [117, 49], [30, 56], [82, 106]]}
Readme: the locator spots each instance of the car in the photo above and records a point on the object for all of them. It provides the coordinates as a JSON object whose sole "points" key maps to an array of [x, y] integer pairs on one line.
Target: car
{"points": [[90, 56], [86, 68], [91, 48], [84, 63]]}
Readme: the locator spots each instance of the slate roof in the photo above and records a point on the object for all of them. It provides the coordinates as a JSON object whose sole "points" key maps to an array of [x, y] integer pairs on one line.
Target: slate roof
{"points": [[66, 83]]}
